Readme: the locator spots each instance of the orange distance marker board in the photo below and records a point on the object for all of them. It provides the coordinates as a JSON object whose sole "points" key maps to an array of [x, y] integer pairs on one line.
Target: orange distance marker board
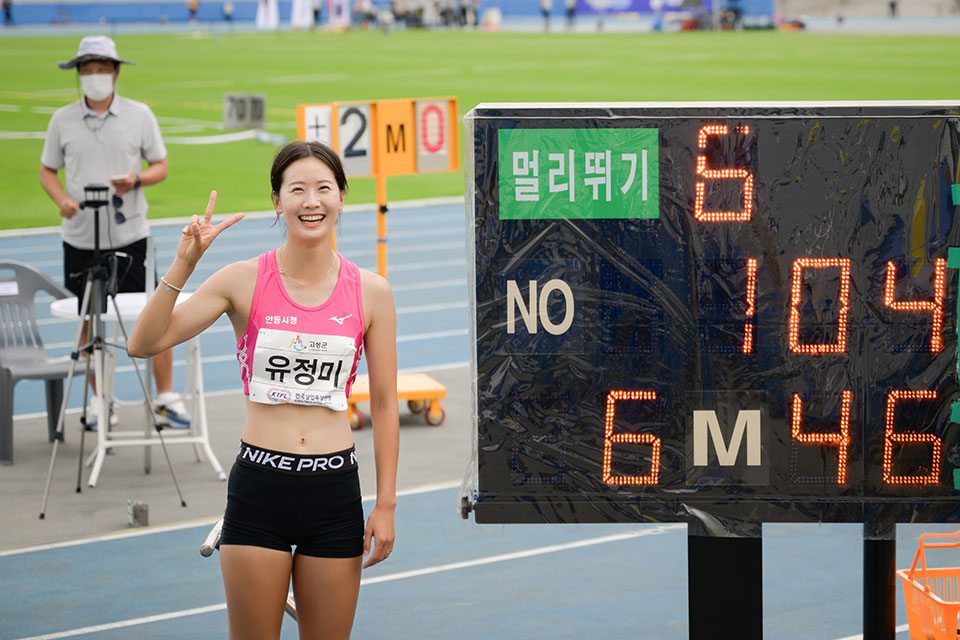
{"points": [[386, 137]]}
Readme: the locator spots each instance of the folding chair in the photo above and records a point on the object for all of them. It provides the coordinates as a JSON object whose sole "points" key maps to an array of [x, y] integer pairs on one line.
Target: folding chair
{"points": [[22, 356]]}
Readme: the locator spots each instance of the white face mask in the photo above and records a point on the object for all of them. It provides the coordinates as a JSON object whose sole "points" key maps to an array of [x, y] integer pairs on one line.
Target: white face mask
{"points": [[97, 86]]}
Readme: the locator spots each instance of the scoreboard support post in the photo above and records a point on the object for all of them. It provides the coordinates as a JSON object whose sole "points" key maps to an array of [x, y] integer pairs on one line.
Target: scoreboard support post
{"points": [[382, 225], [724, 587], [879, 582]]}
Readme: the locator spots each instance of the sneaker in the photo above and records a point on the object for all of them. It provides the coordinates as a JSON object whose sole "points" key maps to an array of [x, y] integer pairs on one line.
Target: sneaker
{"points": [[170, 410], [93, 408]]}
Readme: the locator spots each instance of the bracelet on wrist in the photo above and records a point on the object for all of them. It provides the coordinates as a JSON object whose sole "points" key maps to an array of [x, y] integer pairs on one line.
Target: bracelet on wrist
{"points": [[170, 286], [136, 185]]}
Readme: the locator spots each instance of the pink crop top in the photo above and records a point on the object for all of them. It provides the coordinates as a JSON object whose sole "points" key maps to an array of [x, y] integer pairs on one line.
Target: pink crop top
{"points": [[292, 354]]}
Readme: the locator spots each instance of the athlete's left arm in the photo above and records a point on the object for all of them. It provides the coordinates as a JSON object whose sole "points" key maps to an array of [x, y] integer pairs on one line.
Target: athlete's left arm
{"points": [[380, 343]]}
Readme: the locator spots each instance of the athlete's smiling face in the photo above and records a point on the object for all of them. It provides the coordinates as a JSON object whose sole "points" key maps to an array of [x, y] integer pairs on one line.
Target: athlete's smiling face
{"points": [[309, 199]]}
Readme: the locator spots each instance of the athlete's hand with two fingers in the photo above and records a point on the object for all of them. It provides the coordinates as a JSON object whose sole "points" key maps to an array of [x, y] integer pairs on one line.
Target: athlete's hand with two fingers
{"points": [[380, 529], [197, 236]]}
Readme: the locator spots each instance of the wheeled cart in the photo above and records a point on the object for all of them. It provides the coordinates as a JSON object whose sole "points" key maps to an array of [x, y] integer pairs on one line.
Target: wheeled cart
{"points": [[422, 393]]}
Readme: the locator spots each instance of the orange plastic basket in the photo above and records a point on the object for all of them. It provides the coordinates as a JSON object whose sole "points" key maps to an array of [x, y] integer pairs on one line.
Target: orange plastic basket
{"points": [[932, 597]]}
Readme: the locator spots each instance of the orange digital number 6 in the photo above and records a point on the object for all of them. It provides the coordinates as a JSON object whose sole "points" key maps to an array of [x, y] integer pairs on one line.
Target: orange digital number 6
{"points": [[609, 439], [721, 174]]}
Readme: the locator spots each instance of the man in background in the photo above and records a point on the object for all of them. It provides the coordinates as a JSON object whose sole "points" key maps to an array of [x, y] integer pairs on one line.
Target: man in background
{"points": [[104, 139]]}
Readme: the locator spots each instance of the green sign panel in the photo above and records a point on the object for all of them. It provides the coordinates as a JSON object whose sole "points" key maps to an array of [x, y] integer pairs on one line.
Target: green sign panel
{"points": [[549, 174]]}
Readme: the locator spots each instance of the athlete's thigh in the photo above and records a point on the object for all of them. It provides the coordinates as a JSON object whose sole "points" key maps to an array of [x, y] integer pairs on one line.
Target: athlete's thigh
{"points": [[326, 591], [256, 580]]}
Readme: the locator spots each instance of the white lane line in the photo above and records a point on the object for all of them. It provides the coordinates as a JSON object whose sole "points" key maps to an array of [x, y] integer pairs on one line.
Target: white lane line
{"points": [[424, 308], [432, 335], [363, 207], [130, 623], [859, 636], [402, 575], [193, 84], [315, 77], [12, 108], [433, 284], [433, 367], [122, 535], [430, 264], [430, 284], [518, 555], [215, 124], [411, 337], [23, 135], [249, 134], [354, 243]]}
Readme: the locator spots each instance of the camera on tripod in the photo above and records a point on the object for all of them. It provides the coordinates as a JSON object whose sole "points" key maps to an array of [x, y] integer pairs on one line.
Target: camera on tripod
{"points": [[104, 268]]}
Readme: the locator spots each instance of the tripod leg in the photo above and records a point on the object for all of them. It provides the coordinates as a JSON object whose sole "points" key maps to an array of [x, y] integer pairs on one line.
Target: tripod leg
{"points": [[54, 395], [74, 355], [99, 368], [83, 431], [146, 396], [103, 410]]}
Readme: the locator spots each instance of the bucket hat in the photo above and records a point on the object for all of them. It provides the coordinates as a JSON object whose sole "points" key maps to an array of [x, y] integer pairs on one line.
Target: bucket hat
{"points": [[94, 48]]}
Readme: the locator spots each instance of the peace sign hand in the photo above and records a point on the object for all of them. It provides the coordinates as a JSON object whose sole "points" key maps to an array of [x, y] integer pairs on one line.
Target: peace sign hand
{"points": [[197, 236]]}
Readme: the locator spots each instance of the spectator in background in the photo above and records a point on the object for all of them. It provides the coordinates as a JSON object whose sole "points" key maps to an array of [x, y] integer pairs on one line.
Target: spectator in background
{"points": [[469, 13], [571, 12], [364, 14], [893, 8], [192, 8], [8, 13], [301, 15], [449, 14], [546, 6], [104, 139], [268, 15]]}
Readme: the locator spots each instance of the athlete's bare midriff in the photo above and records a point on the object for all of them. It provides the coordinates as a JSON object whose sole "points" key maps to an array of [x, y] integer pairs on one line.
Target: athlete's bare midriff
{"points": [[296, 429]]}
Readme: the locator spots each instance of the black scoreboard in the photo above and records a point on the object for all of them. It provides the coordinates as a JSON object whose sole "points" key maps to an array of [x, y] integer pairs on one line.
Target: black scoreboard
{"points": [[693, 310]]}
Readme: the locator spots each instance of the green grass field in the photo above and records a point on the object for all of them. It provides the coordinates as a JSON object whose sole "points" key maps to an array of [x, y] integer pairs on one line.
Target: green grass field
{"points": [[184, 76]]}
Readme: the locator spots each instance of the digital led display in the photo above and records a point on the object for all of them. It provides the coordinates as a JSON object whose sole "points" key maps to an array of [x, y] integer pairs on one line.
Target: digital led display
{"points": [[744, 311]]}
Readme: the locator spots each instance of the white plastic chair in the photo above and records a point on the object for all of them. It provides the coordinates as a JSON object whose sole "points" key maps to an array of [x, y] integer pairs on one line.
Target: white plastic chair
{"points": [[22, 355]]}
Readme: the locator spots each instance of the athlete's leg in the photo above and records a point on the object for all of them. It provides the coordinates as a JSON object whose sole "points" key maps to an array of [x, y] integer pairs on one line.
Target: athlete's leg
{"points": [[256, 581], [326, 591]]}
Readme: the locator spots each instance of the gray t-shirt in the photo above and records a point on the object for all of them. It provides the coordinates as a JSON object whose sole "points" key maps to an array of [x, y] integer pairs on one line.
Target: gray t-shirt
{"points": [[93, 148]]}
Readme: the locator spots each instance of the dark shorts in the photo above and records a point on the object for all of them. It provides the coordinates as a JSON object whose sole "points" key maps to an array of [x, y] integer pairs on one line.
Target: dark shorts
{"points": [[280, 500], [131, 271]]}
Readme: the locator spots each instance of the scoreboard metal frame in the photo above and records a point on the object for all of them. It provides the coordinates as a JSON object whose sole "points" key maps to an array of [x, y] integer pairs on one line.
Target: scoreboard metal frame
{"points": [[697, 310]]}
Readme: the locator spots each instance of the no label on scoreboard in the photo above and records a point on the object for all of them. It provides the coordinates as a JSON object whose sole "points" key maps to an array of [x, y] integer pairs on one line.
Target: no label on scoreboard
{"points": [[744, 310]]}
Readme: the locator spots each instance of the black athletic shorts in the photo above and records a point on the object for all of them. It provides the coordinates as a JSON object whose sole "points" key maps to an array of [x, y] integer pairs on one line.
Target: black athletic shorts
{"points": [[281, 500], [131, 270]]}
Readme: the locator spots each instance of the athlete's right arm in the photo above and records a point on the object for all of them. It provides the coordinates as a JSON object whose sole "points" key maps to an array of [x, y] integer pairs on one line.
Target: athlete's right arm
{"points": [[160, 325]]}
